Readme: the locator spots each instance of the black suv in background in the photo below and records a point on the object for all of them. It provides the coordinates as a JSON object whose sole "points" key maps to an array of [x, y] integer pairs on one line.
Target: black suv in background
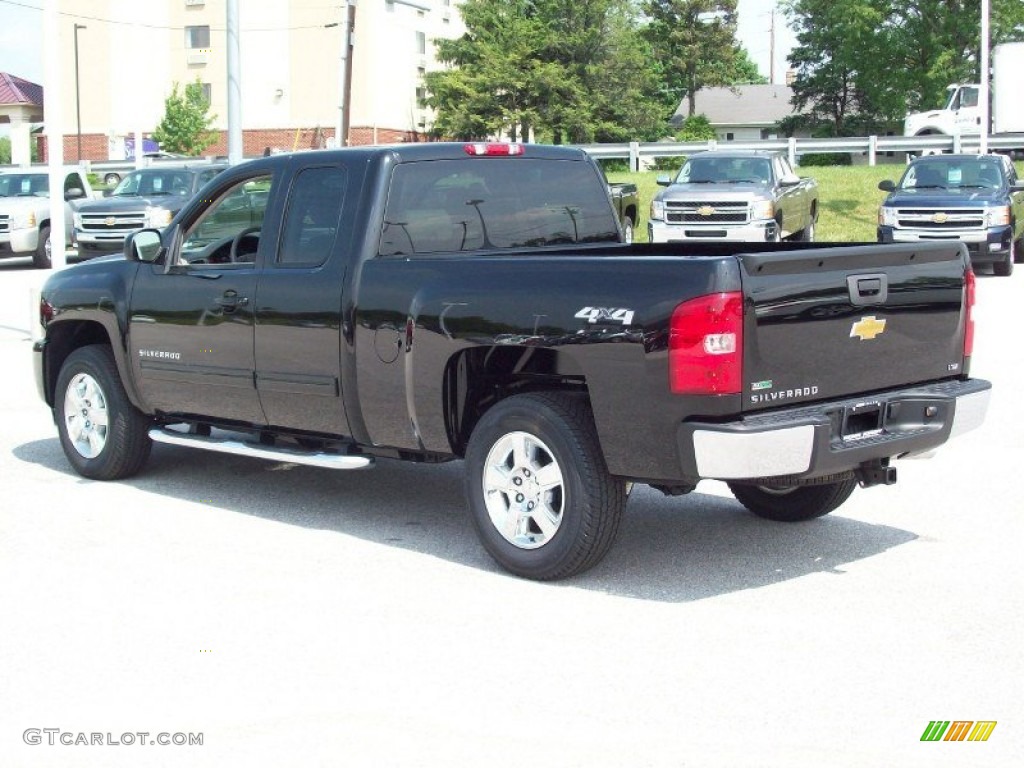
{"points": [[148, 197], [976, 199]]}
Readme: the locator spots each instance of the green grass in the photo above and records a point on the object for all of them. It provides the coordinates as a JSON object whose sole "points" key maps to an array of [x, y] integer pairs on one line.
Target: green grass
{"points": [[848, 195]]}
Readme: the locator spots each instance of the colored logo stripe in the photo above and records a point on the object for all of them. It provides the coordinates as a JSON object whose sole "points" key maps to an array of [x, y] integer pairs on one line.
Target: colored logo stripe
{"points": [[958, 730]]}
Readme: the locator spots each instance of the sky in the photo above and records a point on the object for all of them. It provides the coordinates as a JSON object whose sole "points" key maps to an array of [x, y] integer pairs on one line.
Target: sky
{"points": [[21, 48], [21, 39], [754, 32]]}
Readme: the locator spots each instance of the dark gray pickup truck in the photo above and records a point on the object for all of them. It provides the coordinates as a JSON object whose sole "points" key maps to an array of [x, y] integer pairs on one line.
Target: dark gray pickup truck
{"points": [[439, 301], [734, 196], [148, 197]]}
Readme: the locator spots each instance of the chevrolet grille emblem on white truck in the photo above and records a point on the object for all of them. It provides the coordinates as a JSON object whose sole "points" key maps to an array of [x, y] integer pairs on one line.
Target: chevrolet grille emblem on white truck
{"points": [[605, 315]]}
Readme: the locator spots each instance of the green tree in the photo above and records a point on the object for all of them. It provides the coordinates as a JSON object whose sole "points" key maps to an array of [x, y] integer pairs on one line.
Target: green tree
{"points": [[694, 46], [841, 46], [862, 64], [566, 70], [5, 150], [745, 71], [185, 127], [695, 128]]}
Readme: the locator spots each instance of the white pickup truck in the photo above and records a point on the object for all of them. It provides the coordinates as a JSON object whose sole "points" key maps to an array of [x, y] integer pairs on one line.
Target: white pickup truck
{"points": [[25, 211]]}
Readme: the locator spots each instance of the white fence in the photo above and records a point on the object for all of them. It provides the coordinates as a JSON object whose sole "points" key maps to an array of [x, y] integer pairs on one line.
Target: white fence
{"points": [[636, 151]]}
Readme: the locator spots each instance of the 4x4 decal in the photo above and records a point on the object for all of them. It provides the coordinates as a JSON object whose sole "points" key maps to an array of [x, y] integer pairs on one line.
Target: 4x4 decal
{"points": [[606, 315]]}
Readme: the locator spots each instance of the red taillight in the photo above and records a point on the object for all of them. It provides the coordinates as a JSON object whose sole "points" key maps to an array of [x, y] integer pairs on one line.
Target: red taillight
{"points": [[705, 347], [969, 281], [494, 149], [45, 312]]}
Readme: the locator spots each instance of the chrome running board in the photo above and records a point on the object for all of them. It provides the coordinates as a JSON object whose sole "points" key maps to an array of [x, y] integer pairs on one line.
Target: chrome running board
{"points": [[259, 451]]}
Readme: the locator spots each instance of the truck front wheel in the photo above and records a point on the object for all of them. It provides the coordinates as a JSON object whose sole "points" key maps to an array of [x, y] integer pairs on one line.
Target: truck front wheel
{"points": [[540, 496], [794, 504], [41, 258], [103, 435], [1004, 268]]}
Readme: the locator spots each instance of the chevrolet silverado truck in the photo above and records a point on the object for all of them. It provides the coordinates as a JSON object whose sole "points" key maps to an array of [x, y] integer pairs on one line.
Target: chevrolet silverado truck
{"points": [[734, 196], [974, 199], [25, 211], [148, 197], [442, 301]]}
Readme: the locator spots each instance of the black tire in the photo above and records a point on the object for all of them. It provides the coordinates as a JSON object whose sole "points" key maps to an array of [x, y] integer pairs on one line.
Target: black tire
{"points": [[585, 506], [1004, 268], [796, 504], [121, 447], [1018, 250], [41, 258], [112, 179], [807, 233], [627, 229]]}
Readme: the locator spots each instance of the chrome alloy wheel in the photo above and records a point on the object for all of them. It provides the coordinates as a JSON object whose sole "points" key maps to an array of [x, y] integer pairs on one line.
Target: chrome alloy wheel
{"points": [[524, 490], [86, 416]]}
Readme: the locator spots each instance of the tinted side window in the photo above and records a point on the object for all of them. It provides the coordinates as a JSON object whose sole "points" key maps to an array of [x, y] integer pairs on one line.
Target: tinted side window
{"points": [[228, 231], [311, 220], [445, 206]]}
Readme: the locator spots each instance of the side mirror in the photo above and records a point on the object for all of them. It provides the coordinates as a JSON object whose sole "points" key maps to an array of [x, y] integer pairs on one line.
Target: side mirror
{"points": [[664, 180], [789, 180], [887, 185], [1018, 185], [144, 245], [74, 193]]}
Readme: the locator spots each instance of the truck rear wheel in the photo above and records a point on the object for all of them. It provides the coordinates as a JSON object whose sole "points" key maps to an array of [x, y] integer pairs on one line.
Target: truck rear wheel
{"points": [[540, 496], [103, 435], [41, 259], [794, 504]]}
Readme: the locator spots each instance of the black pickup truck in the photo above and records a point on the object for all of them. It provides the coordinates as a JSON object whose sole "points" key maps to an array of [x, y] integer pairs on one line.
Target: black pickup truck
{"points": [[446, 301]]}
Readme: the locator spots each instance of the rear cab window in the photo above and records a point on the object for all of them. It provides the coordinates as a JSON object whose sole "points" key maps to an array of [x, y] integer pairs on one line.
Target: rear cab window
{"points": [[474, 204]]}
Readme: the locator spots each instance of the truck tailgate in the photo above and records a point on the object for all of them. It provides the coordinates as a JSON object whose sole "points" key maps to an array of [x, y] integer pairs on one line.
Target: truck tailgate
{"points": [[829, 322]]}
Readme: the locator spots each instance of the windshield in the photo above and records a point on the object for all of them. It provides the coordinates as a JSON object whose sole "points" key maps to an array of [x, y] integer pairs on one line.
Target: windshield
{"points": [[24, 185], [953, 173], [155, 182], [725, 170]]}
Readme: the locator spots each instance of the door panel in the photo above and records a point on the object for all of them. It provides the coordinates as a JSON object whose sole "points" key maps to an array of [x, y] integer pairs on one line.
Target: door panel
{"points": [[191, 320], [190, 337], [298, 308]]}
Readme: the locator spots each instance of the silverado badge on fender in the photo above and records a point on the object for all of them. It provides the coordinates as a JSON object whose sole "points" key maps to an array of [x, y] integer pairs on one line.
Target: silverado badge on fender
{"points": [[867, 328]]}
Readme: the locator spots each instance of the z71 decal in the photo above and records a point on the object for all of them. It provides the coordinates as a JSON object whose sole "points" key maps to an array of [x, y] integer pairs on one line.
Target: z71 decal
{"points": [[606, 315]]}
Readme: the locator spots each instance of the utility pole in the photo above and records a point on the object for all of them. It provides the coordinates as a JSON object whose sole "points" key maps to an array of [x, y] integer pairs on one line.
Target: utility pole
{"points": [[771, 64], [983, 96], [348, 12], [78, 103], [235, 148], [54, 130]]}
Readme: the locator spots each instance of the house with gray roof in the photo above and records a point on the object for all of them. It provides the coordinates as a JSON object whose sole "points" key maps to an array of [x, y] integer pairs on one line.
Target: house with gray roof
{"points": [[742, 112]]}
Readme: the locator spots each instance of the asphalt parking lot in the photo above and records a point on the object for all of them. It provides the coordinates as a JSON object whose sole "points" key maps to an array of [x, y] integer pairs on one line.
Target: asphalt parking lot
{"points": [[303, 617]]}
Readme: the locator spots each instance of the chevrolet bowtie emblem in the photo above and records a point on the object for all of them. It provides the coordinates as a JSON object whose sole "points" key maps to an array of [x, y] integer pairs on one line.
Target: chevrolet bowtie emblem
{"points": [[940, 218], [705, 210], [867, 328]]}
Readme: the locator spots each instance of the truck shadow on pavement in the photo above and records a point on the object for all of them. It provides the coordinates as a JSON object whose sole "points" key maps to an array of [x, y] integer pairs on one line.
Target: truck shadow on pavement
{"points": [[677, 549]]}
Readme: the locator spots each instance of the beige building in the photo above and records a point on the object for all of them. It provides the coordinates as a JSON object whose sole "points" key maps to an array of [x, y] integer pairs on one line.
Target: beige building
{"points": [[131, 53]]}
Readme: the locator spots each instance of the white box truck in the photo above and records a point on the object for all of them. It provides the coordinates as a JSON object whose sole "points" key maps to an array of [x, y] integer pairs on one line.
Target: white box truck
{"points": [[961, 113]]}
